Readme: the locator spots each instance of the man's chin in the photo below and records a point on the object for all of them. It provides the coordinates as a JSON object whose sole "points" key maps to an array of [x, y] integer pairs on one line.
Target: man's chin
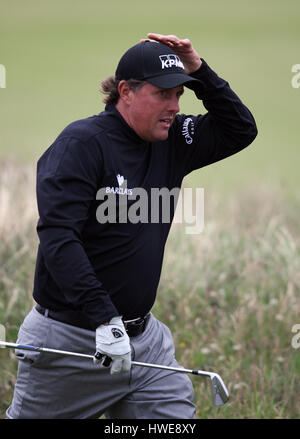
{"points": [[156, 137], [162, 136]]}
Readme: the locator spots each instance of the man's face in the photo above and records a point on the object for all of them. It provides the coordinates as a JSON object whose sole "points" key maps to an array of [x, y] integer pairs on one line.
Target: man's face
{"points": [[150, 111]]}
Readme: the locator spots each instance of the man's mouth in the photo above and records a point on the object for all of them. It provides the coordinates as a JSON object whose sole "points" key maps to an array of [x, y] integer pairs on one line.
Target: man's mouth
{"points": [[166, 122]]}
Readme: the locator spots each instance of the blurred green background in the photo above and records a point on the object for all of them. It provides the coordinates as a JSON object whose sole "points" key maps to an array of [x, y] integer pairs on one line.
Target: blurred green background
{"points": [[56, 53]]}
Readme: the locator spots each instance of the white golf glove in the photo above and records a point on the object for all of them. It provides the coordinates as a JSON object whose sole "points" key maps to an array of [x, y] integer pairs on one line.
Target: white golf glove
{"points": [[112, 341]]}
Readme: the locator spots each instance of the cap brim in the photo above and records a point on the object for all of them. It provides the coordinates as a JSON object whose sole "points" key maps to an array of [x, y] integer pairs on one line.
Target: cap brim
{"points": [[172, 80]]}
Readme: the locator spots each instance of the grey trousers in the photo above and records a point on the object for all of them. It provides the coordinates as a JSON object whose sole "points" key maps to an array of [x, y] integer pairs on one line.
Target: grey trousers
{"points": [[51, 386]]}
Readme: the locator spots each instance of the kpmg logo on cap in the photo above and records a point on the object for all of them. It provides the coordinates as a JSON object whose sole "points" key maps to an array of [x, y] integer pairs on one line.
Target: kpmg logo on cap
{"points": [[170, 60]]}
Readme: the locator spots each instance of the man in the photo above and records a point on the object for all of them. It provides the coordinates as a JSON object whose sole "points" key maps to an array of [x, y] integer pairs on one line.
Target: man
{"points": [[96, 281]]}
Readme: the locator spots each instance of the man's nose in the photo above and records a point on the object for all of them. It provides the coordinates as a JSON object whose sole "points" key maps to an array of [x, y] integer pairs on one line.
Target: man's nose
{"points": [[173, 105]]}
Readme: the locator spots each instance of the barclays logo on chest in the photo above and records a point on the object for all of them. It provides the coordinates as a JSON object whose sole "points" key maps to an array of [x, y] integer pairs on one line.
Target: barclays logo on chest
{"points": [[121, 189]]}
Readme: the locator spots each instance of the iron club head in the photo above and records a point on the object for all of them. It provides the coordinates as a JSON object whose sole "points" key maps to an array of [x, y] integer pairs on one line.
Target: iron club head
{"points": [[220, 394]]}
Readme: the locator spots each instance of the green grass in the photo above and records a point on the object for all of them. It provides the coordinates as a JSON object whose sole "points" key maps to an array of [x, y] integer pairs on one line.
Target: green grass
{"points": [[230, 295]]}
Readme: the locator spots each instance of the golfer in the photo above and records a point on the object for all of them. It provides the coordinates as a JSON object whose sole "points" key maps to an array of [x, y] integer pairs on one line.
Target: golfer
{"points": [[96, 281]]}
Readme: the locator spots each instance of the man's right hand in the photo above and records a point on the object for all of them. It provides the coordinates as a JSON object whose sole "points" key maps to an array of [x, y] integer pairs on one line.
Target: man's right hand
{"points": [[112, 341]]}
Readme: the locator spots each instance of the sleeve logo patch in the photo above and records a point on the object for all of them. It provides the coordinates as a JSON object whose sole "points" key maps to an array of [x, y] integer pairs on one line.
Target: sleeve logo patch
{"points": [[188, 129]]}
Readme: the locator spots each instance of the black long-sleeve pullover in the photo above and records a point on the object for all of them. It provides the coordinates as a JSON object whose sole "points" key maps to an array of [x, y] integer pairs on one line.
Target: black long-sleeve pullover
{"points": [[109, 269]]}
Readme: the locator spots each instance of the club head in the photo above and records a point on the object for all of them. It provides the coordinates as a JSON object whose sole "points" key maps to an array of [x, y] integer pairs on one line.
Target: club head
{"points": [[220, 394]]}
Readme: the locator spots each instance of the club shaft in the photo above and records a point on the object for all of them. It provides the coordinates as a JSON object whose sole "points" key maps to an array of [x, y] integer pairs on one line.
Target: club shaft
{"points": [[80, 355], [220, 393]]}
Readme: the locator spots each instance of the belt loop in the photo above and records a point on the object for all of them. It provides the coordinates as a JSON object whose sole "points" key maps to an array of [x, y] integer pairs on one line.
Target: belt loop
{"points": [[46, 312]]}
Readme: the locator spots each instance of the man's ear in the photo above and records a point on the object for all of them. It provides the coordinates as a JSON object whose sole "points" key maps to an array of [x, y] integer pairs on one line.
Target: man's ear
{"points": [[125, 92]]}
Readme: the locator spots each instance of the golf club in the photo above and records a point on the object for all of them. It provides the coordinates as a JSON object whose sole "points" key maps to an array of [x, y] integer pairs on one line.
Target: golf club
{"points": [[220, 394]]}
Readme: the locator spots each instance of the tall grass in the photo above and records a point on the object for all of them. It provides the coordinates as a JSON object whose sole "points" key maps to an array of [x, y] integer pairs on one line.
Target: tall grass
{"points": [[18, 243], [230, 295]]}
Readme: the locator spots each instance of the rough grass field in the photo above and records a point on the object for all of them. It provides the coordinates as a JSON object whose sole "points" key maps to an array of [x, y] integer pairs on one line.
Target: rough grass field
{"points": [[230, 295]]}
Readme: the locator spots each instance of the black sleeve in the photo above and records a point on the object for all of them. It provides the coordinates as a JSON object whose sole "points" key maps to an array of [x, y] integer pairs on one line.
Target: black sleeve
{"points": [[67, 182], [227, 127]]}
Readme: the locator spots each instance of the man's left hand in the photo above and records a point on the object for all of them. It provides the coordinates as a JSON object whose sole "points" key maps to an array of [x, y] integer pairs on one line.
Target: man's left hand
{"points": [[112, 341]]}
